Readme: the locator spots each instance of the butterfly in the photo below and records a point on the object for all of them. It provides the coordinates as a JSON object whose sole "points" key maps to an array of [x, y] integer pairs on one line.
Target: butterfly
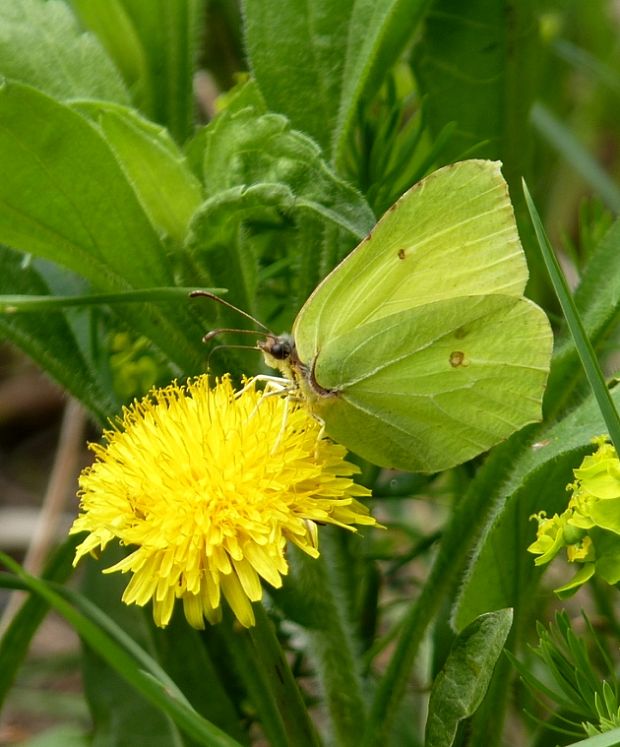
{"points": [[419, 350]]}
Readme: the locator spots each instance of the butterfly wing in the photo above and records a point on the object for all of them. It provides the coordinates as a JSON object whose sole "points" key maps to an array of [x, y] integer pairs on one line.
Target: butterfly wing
{"points": [[430, 387], [452, 234]]}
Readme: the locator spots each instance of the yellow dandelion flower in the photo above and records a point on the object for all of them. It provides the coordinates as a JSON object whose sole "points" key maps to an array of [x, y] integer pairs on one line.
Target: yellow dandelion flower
{"points": [[207, 485]]}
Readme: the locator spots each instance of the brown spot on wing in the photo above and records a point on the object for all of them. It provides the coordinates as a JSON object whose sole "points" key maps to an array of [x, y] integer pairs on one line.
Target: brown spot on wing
{"points": [[402, 254], [457, 358]]}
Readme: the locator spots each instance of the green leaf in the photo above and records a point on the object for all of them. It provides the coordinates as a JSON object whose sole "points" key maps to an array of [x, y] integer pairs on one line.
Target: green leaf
{"points": [[244, 148], [155, 46], [64, 197], [476, 67], [308, 39], [42, 45], [340, 52], [215, 236], [19, 304], [608, 739], [459, 688], [153, 164], [50, 340], [270, 197]]}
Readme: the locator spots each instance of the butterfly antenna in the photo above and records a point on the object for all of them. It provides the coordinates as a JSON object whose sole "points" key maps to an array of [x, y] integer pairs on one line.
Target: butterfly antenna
{"points": [[229, 305], [222, 330], [228, 347]]}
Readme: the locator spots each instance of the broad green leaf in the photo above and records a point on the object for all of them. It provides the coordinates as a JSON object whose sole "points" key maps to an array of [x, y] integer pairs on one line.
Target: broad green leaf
{"points": [[153, 164], [475, 64], [501, 572], [297, 50], [109, 21], [42, 45], [49, 339], [164, 35], [459, 688], [64, 197]]}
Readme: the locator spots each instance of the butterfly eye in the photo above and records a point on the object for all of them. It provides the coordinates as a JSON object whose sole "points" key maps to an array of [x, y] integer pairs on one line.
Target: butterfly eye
{"points": [[280, 350]]}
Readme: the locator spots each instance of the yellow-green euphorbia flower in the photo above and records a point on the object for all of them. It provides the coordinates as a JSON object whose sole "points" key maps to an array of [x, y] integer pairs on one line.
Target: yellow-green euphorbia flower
{"points": [[589, 528]]}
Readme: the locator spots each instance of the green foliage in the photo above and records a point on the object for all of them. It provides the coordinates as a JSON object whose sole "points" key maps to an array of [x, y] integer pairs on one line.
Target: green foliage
{"points": [[460, 686], [120, 189], [579, 677]]}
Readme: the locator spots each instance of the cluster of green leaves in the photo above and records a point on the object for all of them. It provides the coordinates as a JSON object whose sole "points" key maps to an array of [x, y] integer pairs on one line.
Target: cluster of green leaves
{"points": [[586, 690], [115, 200]]}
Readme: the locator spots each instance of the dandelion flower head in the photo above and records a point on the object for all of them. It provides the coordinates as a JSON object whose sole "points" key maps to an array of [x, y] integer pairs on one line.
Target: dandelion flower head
{"points": [[206, 485]]}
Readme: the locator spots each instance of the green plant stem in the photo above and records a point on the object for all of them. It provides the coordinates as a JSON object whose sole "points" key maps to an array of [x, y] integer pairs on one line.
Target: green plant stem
{"points": [[331, 640], [582, 343], [281, 683]]}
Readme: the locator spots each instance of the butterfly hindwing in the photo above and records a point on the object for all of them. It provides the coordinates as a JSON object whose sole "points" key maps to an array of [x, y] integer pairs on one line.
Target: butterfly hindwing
{"points": [[433, 386]]}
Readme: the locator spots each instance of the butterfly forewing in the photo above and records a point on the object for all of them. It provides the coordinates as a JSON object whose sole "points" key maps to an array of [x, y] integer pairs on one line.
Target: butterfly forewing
{"points": [[453, 234]]}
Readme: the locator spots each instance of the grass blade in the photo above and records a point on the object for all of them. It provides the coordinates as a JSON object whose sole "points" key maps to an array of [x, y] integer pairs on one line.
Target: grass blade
{"points": [[123, 655], [582, 343], [10, 304]]}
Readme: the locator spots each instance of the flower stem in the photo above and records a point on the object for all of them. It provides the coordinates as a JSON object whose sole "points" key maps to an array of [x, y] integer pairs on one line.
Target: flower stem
{"points": [[283, 688], [324, 585]]}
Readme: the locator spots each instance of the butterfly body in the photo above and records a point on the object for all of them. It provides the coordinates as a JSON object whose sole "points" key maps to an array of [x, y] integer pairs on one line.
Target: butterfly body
{"points": [[419, 350]]}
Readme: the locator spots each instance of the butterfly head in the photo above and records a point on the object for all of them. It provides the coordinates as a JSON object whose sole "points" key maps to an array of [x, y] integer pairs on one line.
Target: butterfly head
{"points": [[279, 352]]}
